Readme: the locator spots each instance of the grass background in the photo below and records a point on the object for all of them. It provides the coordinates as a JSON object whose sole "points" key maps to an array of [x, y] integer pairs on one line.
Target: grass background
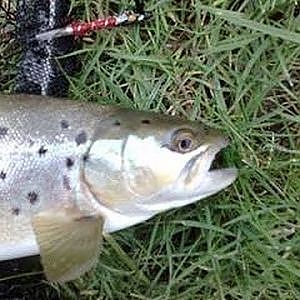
{"points": [[234, 65]]}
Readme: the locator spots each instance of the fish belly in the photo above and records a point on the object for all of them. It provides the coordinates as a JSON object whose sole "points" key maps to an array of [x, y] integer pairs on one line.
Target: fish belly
{"points": [[17, 238]]}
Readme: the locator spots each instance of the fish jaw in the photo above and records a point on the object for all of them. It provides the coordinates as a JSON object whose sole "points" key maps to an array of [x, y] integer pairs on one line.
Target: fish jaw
{"points": [[214, 182], [196, 181]]}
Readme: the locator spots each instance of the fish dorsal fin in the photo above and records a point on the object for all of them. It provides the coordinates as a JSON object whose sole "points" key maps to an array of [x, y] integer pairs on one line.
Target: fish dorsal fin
{"points": [[69, 242]]}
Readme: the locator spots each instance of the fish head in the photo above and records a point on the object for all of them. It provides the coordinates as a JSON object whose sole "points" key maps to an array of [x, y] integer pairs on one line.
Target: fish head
{"points": [[142, 164]]}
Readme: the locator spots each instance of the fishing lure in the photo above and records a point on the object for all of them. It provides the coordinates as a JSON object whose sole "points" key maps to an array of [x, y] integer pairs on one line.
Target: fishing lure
{"points": [[79, 29]]}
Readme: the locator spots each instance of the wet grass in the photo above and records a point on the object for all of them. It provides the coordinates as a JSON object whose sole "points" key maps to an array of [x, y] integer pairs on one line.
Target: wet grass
{"points": [[234, 65]]}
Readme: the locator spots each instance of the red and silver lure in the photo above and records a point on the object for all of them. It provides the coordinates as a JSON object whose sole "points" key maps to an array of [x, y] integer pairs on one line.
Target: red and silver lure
{"points": [[79, 29]]}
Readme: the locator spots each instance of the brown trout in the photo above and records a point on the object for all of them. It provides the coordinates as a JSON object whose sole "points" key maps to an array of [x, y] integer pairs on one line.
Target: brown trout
{"points": [[72, 172]]}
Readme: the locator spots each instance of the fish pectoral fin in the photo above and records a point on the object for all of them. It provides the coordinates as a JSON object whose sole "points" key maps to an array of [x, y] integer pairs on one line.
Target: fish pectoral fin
{"points": [[69, 242]]}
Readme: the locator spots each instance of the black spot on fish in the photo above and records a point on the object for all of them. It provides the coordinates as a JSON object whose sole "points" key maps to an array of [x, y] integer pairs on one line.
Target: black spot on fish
{"points": [[117, 123], [42, 151], [66, 183], [3, 131], [64, 124], [145, 121], [69, 162], [81, 138], [32, 197], [85, 157], [31, 142], [2, 175], [16, 211]]}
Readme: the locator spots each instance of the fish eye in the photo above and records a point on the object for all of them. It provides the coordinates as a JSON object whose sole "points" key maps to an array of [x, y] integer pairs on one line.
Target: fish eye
{"points": [[182, 141], [185, 144]]}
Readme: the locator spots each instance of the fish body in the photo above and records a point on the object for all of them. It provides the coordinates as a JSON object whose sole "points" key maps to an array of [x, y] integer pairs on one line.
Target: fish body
{"points": [[42, 144], [73, 171]]}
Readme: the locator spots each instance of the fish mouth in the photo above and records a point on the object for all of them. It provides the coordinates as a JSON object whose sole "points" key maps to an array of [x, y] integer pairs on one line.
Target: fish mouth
{"points": [[203, 173], [198, 179]]}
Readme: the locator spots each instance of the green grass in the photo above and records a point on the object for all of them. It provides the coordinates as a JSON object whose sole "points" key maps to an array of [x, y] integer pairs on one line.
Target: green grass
{"points": [[234, 65]]}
